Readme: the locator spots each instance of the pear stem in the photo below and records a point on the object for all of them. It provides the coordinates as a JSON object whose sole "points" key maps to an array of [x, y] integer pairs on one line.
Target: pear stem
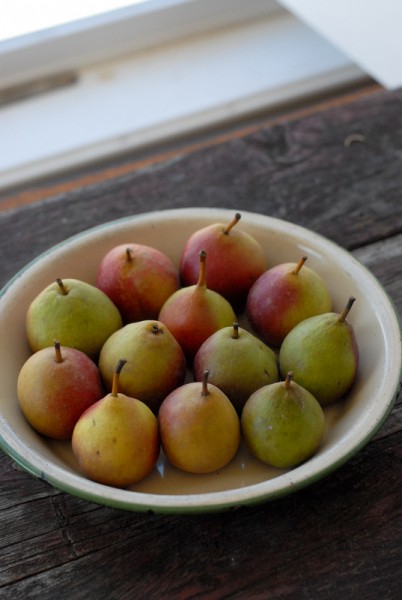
{"points": [[155, 329], [232, 223], [288, 380], [299, 265], [116, 377], [202, 275], [235, 332], [205, 376], [62, 287], [346, 310], [57, 350], [129, 254]]}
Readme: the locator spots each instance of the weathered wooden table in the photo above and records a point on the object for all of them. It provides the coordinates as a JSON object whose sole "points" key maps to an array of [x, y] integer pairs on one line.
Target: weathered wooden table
{"points": [[335, 169]]}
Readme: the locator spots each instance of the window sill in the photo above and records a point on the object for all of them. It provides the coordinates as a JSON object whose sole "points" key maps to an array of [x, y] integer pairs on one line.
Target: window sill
{"points": [[166, 91]]}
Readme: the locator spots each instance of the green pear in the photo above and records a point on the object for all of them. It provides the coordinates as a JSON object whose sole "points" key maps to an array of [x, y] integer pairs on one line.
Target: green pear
{"points": [[155, 361], [238, 363], [55, 386], [282, 424], [199, 427], [116, 440], [195, 312], [282, 297], [323, 354], [76, 313]]}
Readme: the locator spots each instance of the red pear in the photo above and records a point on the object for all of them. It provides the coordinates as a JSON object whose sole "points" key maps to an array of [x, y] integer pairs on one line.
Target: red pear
{"points": [[195, 312], [282, 297], [55, 386], [138, 279], [236, 260]]}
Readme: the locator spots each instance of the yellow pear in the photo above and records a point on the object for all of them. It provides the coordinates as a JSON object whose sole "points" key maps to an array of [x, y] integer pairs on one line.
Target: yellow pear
{"points": [[116, 440], [199, 427], [155, 361]]}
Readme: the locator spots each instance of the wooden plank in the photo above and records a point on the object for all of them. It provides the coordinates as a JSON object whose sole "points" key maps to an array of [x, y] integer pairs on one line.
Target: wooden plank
{"points": [[90, 175], [342, 535], [384, 259], [259, 547], [300, 171]]}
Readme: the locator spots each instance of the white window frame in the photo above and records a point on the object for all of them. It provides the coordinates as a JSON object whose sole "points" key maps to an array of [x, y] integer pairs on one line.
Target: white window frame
{"points": [[178, 66], [120, 32]]}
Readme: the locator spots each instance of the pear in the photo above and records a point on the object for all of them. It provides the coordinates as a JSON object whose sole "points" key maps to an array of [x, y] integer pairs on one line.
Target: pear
{"points": [[155, 361], [195, 312], [54, 387], [237, 260], [323, 354], [199, 427], [282, 424], [282, 297], [138, 279], [76, 313], [238, 363], [116, 440]]}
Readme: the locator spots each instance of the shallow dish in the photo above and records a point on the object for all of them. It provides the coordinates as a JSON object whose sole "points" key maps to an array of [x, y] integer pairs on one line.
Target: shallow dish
{"points": [[349, 424]]}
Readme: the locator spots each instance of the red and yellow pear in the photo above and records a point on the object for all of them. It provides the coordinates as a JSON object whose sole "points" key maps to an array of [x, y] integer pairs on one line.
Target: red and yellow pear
{"points": [[282, 297], [55, 386], [138, 279], [236, 260], [195, 312], [199, 427]]}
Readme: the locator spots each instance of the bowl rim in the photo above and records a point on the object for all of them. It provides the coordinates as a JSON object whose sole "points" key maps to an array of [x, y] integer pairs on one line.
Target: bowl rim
{"points": [[32, 462]]}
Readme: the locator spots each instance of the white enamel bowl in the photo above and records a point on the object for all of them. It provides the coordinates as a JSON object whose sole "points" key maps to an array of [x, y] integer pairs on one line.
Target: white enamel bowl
{"points": [[349, 424]]}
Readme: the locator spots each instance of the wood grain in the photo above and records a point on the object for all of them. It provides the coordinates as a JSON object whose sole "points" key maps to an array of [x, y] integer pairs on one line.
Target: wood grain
{"points": [[300, 171], [288, 548], [95, 174], [341, 536]]}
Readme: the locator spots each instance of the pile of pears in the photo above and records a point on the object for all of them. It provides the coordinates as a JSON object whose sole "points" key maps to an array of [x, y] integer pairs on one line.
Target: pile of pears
{"points": [[151, 357]]}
